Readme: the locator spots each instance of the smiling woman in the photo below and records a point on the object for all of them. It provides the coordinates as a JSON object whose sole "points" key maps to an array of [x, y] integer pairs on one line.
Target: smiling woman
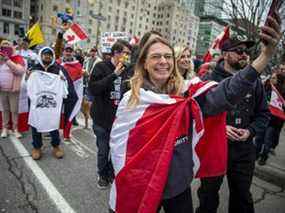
{"points": [[156, 68]]}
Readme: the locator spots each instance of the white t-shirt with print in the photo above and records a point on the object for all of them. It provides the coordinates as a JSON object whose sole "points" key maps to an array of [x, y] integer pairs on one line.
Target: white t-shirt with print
{"points": [[46, 92]]}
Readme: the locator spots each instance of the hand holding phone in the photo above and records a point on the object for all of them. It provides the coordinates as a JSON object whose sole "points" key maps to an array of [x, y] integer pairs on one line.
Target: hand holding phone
{"points": [[275, 7], [6, 51]]}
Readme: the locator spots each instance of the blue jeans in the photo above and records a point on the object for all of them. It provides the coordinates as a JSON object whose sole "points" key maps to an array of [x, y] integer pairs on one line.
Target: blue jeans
{"points": [[37, 138], [104, 165]]}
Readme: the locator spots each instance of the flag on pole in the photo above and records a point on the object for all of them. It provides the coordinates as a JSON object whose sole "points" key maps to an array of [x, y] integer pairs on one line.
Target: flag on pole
{"points": [[216, 45], [75, 34], [142, 146], [35, 35], [277, 104]]}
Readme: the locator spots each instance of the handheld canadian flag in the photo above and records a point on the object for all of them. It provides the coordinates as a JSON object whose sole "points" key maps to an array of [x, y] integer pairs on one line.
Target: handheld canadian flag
{"points": [[75, 34], [277, 104], [216, 45]]}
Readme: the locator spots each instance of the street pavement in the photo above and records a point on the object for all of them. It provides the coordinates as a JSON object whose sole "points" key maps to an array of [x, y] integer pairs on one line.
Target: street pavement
{"points": [[69, 185], [274, 170]]}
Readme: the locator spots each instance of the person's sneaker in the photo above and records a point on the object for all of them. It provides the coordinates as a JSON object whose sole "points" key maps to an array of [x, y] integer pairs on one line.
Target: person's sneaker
{"points": [[57, 152], [36, 154], [17, 134], [4, 133], [74, 122], [262, 161], [66, 139], [102, 183], [272, 152]]}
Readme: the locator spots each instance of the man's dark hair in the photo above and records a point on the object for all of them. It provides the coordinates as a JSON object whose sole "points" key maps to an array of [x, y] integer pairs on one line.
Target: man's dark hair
{"points": [[119, 46], [146, 36]]}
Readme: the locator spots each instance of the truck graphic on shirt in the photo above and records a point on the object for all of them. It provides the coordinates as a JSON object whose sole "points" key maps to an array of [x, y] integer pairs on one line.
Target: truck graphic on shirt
{"points": [[46, 101]]}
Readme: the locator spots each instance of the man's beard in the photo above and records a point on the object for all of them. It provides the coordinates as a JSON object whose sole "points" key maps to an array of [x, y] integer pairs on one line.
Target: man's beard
{"points": [[238, 65], [46, 63]]}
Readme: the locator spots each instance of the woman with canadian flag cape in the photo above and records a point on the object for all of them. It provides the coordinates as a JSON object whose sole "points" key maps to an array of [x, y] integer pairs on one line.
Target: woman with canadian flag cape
{"points": [[168, 131]]}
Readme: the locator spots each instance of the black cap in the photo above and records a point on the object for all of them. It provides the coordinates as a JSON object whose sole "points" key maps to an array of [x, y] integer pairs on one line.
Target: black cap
{"points": [[233, 42], [68, 47], [47, 51]]}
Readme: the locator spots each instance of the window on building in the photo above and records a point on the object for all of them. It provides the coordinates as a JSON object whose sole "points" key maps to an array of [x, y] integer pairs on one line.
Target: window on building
{"points": [[55, 8], [18, 3], [116, 27], [6, 28], [90, 21], [89, 31], [132, 16], [78, 3], [119, 2], [6, 12], [110, 9], [108, 26], [17, 29], [130, 31], [126, 4], [7, 2], [18, 14], [68, 1]]}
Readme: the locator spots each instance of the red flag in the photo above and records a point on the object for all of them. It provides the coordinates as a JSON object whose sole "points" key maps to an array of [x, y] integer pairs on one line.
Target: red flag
{"points": [[142, 145], [74, 34], [216, 45], [277, 104]]}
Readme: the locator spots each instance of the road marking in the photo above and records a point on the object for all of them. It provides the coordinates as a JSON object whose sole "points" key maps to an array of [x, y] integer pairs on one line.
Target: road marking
{"points": [[59, 201], [76, 141]]}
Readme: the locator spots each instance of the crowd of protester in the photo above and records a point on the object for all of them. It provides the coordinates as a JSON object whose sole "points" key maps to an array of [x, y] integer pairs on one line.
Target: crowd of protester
{"points": [[61, 81]]}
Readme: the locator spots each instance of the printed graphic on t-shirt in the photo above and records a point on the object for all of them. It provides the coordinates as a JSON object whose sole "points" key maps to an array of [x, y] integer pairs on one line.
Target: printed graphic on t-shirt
{"points": [[46, 99]]}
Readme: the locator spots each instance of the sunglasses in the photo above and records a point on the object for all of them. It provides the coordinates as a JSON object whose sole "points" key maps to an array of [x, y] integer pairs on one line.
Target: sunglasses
{"points": [[239, 51]]}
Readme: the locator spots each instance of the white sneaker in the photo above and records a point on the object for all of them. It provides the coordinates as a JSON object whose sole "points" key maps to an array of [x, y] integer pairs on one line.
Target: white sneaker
{"points": [[4, 133], [17, 134]]}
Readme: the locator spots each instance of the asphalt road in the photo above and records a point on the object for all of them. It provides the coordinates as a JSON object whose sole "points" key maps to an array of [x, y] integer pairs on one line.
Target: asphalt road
{"points": [[69, 185]]}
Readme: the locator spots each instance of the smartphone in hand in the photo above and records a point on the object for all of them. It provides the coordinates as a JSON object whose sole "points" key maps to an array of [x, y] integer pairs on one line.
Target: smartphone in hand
{"points": [[275, 6], [7, 51]]}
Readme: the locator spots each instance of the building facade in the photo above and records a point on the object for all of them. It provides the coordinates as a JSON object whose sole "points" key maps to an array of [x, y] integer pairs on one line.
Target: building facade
{"points": [[208, 8], [208, 31], [173, 18], [14, 18]]}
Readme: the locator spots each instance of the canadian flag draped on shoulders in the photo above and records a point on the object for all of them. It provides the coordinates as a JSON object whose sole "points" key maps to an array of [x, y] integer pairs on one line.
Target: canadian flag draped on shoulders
{"points": [[143, 139], [23, 100], [277, 104], [75, 71]]}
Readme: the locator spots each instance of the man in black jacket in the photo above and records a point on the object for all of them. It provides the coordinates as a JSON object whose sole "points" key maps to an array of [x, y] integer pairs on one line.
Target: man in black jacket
{"points": [[106, 85], [244, 121]]}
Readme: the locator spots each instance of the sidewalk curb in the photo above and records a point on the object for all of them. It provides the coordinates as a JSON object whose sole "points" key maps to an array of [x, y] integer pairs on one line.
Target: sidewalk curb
{"points": [[271, 174]]}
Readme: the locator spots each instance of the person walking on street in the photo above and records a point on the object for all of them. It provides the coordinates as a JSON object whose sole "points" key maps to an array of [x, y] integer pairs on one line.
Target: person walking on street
{"points": [[105, 85], [270, 138]]}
